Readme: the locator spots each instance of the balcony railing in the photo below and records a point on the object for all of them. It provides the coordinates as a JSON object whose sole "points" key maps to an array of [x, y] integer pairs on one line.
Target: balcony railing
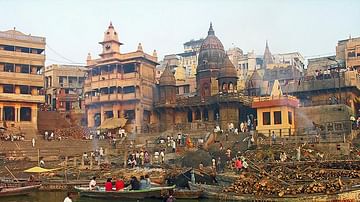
{"points": [[22, 79], [110, 97], [22, 98]]}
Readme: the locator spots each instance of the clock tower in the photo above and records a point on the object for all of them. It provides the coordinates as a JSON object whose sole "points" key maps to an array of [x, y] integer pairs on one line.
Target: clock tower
{"points": [[110, 44]]}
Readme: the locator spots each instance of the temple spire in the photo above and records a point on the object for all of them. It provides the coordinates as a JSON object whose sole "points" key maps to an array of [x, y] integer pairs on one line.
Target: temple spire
{"points": [[211, 30], [268, 58]]}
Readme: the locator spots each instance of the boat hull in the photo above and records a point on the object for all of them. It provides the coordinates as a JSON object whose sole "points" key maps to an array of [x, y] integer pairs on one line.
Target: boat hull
{"points": [[214, 192], [187, 194], [157, 192], [18, 191]]}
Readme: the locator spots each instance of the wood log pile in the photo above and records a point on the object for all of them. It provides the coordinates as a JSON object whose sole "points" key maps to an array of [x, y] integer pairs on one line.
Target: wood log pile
{"points": [[287, 180], [76, 132]]}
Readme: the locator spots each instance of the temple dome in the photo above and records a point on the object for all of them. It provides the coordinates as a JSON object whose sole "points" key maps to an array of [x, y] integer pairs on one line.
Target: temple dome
{"points": [[228, 71], [167, 78], [212, 53]]}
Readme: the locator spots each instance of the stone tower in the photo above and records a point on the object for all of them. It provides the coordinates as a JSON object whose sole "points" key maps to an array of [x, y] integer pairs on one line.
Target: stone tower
{"points": [[211, 59], [167, 98], [227, 80], [110, 44]]}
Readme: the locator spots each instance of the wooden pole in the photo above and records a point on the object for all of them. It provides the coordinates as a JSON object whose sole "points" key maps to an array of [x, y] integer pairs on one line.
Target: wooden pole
{"points": [[38, 151], [11, 174]]}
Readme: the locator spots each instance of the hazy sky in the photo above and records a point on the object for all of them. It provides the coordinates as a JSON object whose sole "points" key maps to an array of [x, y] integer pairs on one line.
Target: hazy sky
{"points": [[73, 28]]}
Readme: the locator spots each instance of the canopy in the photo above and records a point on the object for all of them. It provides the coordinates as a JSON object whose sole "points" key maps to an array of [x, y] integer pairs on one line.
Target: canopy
{"points": [[38, 169], [112, 123]]}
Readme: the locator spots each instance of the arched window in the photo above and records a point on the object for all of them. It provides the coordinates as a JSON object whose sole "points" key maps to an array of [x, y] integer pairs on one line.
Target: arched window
{"points": [[231, 87], [224, 87]]}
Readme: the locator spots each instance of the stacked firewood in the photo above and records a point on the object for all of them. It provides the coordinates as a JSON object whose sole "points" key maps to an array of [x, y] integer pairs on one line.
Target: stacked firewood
{"points": [[74, 132], [266, 186]]}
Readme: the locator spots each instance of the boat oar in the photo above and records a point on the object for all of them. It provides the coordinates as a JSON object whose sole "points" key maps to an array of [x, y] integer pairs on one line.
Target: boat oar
{"points": [[11, 174]]}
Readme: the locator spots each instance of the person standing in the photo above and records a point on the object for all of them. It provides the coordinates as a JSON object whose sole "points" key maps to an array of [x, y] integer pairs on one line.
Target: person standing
{"points": [[173, 145], [179, 138], [228, 155], [273, 137], [162, 156], [213, 163], [218, 164], [238, 165], [33, 142], [156, 157]]}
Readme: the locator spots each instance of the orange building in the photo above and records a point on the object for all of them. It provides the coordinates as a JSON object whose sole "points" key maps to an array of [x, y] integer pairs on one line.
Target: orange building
{"points": [[120, 84], [21, 60], [275, 113]]}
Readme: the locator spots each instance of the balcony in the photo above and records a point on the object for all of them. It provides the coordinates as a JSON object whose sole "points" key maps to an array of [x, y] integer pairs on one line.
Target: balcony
{"points": [[14, 57], [129, 96], [10, 97], [22, 79], [110, 97]]}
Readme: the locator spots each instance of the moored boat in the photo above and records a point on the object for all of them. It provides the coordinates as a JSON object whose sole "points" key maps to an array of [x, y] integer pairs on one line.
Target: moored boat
{"points": [[214, 192], [187, 194], [154, 192], [6, 190]]}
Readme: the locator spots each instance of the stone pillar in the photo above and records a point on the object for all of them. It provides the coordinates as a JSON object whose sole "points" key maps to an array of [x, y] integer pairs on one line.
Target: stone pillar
{"points": [[17, 114], [34, 114], [102, 114], [75, 163], [17, 89], [1, 88], [138, 117], [1, 113]]}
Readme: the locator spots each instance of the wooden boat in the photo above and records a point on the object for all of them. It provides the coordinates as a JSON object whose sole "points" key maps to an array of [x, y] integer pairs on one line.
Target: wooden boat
{"points": [[187, 194], [214, 192], [17, 191], [154, 192]]}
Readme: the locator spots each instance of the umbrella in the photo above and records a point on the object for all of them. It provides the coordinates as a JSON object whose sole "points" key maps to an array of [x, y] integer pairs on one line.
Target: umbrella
{"points": [[38, 169]]}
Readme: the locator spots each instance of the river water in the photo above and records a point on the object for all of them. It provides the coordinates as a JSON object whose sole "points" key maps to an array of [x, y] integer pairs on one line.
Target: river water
{"points": [[60, 196]]}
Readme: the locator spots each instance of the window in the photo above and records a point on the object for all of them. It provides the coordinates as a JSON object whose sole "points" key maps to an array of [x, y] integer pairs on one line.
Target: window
{"points": [[109, 114], [9, 67], [266, 118], [351, 54], [187, 89], [24, 90], [177, 90], [25, 114], [277, 117], [290, 117], [130, 115], [8, 88], [25, 69], [129, 89], [9, 113], [128, 68]]}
